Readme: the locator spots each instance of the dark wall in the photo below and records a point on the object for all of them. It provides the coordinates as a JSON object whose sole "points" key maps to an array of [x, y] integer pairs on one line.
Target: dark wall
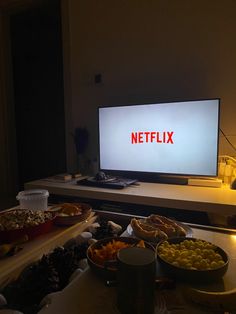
{"points": [[38, 91], [152, 50]]}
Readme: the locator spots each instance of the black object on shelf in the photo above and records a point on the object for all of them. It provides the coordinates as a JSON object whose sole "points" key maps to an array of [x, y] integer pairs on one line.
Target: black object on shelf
{"points": [[233, 185], [105, 181]]}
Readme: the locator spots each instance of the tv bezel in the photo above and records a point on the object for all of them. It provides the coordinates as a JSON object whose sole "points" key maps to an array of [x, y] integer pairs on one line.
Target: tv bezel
{"points": [[158, 176]]}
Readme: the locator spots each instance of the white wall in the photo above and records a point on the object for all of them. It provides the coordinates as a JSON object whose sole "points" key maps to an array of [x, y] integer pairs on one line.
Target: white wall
{"points": [[152, 50]]}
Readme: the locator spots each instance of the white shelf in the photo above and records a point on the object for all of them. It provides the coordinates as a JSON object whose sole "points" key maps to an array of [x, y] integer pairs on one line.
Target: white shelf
{"points": [[207, 199]]}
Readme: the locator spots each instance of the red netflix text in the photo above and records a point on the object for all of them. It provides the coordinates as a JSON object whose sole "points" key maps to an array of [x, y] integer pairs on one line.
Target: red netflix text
{"points": [[152, 137]]}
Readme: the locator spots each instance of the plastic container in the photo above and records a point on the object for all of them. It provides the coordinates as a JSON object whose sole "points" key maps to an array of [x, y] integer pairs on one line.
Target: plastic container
{"points": [[33, 199]]}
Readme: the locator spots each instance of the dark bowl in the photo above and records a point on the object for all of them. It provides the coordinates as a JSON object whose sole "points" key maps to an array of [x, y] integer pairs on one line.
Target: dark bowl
{"points": [[192, 275], [72, 220], [109, 269], [68, 220]]}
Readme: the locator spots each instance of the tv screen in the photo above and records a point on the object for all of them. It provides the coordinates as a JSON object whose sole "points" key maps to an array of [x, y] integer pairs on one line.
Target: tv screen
{"points": [[171, 138]]}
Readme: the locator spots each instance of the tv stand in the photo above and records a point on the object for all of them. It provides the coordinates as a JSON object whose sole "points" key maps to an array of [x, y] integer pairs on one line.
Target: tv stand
{"points": [[216, 201], [165, 179]]}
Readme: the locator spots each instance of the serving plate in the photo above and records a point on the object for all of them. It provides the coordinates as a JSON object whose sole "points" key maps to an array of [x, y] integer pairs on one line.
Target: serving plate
{"points": [[187, 229]]}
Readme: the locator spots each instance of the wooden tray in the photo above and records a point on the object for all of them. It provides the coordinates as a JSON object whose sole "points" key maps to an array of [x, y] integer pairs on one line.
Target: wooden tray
{"points": [[10, 267]]}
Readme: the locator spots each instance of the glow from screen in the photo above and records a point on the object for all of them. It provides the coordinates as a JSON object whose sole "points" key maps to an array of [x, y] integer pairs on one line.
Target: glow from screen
{"points": [[168, 138]]}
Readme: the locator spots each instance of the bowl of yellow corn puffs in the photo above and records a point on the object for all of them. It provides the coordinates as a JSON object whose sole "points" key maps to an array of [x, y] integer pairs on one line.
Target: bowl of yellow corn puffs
{"points": [[192, 259]]}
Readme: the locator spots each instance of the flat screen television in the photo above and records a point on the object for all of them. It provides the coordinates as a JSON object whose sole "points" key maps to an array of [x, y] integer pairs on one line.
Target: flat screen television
{"points": [[158, 140]]}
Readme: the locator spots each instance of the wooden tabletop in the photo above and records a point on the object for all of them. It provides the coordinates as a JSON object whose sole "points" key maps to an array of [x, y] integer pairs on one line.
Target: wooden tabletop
{"points": [[87, 294], [10, 267]]}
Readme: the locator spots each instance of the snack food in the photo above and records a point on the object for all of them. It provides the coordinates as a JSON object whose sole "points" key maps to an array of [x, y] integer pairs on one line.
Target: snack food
{"points": [[192, 260], [102, 254], [195, 255], [16, 223], [71, 213], [68, 209], [23, 218], [169, 226], [108, 251], [156, 227]]}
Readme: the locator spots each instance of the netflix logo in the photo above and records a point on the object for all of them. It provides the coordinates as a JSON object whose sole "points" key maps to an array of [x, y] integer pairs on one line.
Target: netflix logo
{"points": [[152, 137]]}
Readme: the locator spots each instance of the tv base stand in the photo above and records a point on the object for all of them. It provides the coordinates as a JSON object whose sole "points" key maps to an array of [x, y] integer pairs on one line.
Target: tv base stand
{"points": [[166, 179]]}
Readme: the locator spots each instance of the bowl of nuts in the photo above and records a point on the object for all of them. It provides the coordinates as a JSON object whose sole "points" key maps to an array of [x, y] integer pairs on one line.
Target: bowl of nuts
{"points": [[17, 223], [192, 259]]}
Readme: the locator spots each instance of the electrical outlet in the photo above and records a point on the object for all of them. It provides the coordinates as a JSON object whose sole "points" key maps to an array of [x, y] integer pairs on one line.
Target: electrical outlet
{"points": [[98, 78]]}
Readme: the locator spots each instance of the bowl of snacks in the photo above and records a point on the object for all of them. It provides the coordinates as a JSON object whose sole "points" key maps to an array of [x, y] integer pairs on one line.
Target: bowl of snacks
{"points": [[17, 223], [192, 259], [71, 213], [155, 228], [102, 255]]}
